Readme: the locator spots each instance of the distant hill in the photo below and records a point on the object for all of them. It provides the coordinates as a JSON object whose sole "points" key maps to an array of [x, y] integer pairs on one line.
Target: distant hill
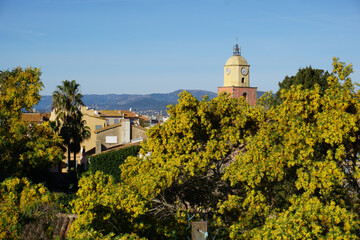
{"points": [[147, 103]]}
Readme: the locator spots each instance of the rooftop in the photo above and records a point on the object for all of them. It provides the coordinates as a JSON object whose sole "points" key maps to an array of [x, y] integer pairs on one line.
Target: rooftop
{"points": [[117, 113]]}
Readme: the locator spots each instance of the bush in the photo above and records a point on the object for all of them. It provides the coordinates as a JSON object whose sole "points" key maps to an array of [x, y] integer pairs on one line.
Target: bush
{"points": [[62, 201], [109, 162]]}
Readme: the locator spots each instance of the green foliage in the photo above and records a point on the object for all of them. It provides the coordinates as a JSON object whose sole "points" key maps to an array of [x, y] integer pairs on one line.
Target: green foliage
{"points": [[144, 123], [109, 162], [62, 201], [25, 150], [20, 203]]}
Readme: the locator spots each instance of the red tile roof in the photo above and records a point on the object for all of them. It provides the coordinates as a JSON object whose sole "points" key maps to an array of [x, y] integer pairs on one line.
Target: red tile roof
{"points": [[35, 117], [117, 113]]}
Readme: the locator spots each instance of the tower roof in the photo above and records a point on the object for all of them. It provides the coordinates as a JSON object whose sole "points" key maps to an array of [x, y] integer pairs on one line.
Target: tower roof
{"points": [[236, 60]]}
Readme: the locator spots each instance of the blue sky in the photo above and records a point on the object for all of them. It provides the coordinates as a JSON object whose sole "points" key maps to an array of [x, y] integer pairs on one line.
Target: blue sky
{"points": [[159, 46]]}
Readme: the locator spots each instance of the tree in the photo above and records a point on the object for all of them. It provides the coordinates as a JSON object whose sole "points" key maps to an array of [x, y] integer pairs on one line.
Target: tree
{"points": [[285, 171], [183, 160], [307, 77], [80, 133], [25, 150], [178, 173], [66, 101], [300, 170]]}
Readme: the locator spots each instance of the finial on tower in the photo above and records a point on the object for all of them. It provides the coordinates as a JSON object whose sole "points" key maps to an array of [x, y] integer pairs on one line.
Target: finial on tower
{"points": [[236, 50]]}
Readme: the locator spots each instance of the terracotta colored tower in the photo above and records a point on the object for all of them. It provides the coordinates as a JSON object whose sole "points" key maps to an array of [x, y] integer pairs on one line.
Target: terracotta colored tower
{"points": [[237, 78]]}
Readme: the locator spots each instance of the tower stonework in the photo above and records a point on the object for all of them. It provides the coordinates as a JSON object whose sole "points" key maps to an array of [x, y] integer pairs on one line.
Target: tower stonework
{"points": [[237, 78]]}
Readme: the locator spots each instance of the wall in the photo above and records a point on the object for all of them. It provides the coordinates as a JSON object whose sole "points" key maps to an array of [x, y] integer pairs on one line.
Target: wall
{"points": [[234, 78], [120, 132], [113, 130], [91, 122], [111, 120], [137, 132], [237, 92]]}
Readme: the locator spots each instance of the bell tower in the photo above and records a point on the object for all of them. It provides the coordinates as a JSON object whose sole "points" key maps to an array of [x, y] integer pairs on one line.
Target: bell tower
{"points": [[237, 77], [236, 70]]}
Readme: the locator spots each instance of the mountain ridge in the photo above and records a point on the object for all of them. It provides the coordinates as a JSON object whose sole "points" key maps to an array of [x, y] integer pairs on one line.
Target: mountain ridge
{"points": [[144, 103]]}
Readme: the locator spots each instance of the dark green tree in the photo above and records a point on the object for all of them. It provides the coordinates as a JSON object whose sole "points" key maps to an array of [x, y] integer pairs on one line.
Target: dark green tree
{"points": [[307, 77]]}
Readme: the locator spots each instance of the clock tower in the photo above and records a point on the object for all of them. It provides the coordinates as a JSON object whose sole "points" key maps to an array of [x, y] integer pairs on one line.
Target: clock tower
{"points": [[237, 78]]}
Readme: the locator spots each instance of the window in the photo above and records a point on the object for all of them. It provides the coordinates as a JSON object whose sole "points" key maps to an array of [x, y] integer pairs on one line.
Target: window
{"points": [[111, 139], [242, 80], [98, 127], [116, 120], [107, 121]]}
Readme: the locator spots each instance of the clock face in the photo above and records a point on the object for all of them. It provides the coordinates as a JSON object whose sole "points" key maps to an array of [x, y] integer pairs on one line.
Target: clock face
{"points": [[228, 71], [244, 71]]}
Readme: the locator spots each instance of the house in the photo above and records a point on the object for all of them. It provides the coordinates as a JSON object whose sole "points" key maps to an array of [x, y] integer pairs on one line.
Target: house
{"points": [[94, 122], [109, 128], [118, 134], [114, 116]]}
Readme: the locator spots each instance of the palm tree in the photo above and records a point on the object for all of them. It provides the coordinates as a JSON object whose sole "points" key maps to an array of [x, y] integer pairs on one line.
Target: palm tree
{"points": [[80, 133], [66, 101]]}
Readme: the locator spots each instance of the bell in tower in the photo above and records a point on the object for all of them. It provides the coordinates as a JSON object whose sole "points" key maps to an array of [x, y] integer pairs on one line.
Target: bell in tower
{"points": [[236, 50]]}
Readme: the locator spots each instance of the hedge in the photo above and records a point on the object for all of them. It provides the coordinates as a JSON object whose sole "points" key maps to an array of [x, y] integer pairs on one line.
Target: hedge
{"points": [[109, 162]]}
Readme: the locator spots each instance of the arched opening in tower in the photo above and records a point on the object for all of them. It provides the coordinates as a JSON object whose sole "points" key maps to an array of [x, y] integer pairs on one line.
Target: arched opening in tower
{"points": [[245, 96], [242, 80]]}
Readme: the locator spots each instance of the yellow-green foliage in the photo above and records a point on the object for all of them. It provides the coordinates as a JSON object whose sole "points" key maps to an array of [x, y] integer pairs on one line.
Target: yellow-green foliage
{"points": [[300, 171], [97, 235], [198, 136], [309, 218], [156, 190], [21, 202], [103, 207], [20, 89], [25, 149], [181, 163]]}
